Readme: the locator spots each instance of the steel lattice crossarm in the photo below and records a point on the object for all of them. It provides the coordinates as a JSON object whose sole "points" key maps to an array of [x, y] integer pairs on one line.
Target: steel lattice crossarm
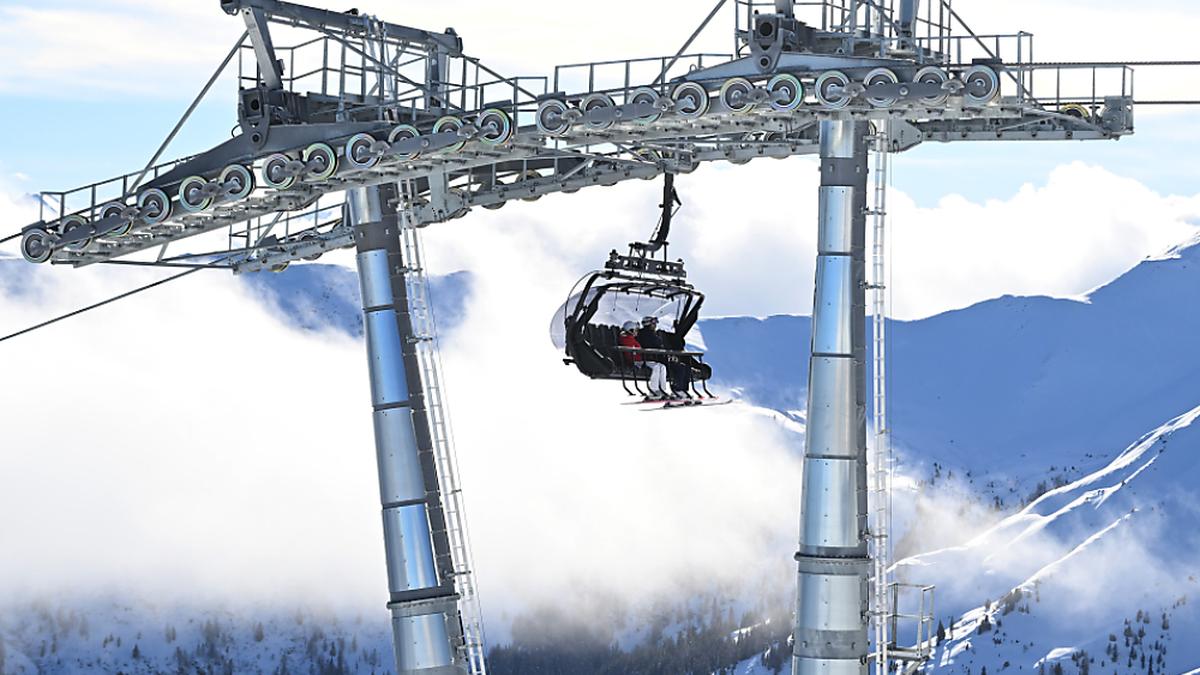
{"points": [[359, 102]]}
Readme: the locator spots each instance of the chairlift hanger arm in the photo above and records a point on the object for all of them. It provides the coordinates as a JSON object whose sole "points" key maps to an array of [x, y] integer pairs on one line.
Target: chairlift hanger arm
{"points": [[670, 201], [351, 23]]}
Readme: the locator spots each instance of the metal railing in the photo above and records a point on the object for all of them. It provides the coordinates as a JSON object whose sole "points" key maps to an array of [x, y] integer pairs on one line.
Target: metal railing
{"points": [[1055, 85], [249, 236], [911, 621], [383, 76], [622, 76], [88, 199]]}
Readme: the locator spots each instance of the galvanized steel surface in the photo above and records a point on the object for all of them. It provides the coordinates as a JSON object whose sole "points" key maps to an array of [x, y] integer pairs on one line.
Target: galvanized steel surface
{"points": [[831, 614]]}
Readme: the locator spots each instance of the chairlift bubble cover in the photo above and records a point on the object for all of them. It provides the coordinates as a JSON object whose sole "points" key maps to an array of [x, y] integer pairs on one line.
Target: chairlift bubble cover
{"points": [[587, 328]]}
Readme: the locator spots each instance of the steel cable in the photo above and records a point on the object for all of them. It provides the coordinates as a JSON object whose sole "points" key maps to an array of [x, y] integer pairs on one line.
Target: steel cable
{"points": [[98, 305]]}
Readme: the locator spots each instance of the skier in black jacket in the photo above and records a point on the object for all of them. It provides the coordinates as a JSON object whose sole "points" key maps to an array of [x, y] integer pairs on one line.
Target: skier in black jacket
{"points": [[650, 338]]}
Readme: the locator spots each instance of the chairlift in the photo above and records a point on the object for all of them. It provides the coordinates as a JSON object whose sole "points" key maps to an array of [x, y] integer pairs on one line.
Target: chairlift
{"points": [[643, 283]]}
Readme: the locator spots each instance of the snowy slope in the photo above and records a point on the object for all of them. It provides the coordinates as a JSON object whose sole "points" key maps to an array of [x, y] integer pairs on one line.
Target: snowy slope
{"points": [[1105, 569], [1066, 572]]}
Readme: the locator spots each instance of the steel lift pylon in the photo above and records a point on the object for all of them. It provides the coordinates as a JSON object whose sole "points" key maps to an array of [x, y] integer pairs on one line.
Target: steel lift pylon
{"points": [[356, 132]]}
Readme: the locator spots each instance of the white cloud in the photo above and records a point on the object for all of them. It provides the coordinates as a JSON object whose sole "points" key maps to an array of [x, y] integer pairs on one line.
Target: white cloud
{"points": [[184, 442], [130, 49], [749, 239], [1082, 228]]}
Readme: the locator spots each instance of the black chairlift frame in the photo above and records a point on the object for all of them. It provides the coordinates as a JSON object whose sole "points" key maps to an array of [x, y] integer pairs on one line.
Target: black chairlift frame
{"points": [[595, 348]]}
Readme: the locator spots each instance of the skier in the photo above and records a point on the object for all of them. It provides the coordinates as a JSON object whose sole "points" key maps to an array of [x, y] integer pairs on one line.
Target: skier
{"points": [[658, 371], [650, 338]]}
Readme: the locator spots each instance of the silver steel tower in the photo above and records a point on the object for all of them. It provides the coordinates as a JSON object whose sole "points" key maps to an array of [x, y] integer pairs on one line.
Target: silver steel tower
{"points": [[426, 624], [834, 567]]}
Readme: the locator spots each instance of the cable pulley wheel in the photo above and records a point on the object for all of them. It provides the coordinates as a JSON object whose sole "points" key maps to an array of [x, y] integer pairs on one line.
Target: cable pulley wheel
{"points": [[737, 94], [36, 246], [311, 237], [237, 181], [786, 92], [275, 172], [530, 175], [495, 127], [593, 102], [831, 89], [1077, 111], [646, 96], [323, 162], [552, 118], [154, 206], [69, 225], [649, 156], [450, 124], [117, 210], [981, 85], [401, 134], [193, 196], [880, 76], [691, 100], [935, 76], [360, 152]]}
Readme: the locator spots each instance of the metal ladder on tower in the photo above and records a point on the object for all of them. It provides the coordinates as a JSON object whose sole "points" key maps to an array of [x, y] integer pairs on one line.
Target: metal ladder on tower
{"points": [[881, 470], [887, 595], [425, 327]]}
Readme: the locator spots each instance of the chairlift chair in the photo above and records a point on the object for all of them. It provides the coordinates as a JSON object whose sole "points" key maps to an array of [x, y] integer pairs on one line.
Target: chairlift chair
{"points": [[629, 288]]}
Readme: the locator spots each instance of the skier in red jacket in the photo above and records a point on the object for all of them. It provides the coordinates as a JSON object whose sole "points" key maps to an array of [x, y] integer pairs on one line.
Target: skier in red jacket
{"points": [[658, 371]]}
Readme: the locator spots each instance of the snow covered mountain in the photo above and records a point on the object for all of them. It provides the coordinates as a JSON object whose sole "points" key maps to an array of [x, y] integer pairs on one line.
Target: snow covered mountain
{"points": [[320, 297], [1084, 409], [1012, 381], [1049, 449], [1105, 567]]}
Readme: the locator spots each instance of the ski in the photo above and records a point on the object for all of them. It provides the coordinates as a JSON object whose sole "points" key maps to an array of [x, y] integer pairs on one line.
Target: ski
{"points": [[671, 405]]}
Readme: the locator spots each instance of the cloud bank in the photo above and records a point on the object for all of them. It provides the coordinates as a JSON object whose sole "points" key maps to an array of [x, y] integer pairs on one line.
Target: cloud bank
{"points": [[187, 442]]}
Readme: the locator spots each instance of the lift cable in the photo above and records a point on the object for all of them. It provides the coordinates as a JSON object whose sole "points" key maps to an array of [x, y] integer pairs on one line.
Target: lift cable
{"points": [[1107, 64], [102, 303]]}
